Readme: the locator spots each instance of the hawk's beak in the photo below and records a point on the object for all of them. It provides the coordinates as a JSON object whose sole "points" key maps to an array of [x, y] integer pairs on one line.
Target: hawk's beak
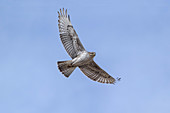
{"points": [[92, 53]]}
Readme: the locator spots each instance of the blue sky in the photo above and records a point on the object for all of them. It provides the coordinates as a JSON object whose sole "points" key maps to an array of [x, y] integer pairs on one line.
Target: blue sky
{"points": [[131, 40]]}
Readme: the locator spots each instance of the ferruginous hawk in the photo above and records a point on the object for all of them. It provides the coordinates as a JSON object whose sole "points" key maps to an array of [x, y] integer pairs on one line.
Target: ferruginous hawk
{"points": [[80, 57]]}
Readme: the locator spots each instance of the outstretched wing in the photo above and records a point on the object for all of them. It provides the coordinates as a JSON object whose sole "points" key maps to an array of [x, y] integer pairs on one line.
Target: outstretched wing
{"points": [[68, 35], [94, 72]]}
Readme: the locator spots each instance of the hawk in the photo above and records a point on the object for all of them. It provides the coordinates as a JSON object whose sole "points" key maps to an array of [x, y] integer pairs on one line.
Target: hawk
{"points": [[80, 57]]}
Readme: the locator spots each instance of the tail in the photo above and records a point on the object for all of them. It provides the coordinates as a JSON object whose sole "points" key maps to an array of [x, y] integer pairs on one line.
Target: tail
{"points": [[65, 67]]}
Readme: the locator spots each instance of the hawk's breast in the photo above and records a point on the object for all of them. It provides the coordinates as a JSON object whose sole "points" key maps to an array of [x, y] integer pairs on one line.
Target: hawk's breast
{"points": [[81, 59]]}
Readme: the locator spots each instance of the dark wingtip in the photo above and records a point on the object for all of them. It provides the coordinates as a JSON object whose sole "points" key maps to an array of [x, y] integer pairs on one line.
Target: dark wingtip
{"points": [[69, 17]]}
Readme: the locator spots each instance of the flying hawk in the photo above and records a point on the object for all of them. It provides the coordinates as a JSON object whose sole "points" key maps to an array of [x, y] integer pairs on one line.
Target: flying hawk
{"points": [[80, 57]]}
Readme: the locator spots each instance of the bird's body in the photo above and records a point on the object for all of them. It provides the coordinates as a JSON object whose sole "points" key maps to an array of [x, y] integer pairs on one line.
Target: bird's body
{"points": [[80, 57]]}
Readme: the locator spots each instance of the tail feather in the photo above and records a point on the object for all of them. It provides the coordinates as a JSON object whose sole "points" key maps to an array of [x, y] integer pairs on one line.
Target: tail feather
{"points": [[65, 67]]}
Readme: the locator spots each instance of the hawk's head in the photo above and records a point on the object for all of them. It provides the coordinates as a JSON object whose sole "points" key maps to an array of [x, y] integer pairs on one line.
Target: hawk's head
{"points": [[92, 54]]}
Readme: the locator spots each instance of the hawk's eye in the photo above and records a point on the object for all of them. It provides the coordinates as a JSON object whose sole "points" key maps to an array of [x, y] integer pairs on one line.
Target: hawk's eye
{"points": [[92, 54]]}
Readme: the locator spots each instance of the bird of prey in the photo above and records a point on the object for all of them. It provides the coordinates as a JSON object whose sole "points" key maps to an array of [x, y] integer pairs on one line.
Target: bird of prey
{"points": [[80, 57]]}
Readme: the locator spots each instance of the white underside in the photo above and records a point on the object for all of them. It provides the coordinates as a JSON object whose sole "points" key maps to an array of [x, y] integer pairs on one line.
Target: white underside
{"points": [[81, 59]]}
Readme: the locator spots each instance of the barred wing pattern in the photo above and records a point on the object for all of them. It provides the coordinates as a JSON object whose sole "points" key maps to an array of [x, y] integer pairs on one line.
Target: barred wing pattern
{"points": [[68, 35], [94, 72]]}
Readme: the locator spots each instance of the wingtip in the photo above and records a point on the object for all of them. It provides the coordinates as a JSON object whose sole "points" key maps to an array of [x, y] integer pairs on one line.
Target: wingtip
{"points": [[63, 12], [115, 81], [60, 12], [69, 17], [66, 12]]}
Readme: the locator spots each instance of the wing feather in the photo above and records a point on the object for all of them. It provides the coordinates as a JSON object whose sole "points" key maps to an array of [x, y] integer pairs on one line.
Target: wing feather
{"points": [[68, 35], [94, 72]]}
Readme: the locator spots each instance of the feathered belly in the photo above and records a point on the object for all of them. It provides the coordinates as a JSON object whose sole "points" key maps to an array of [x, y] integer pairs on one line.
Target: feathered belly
{"points": [[81, 59]]}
